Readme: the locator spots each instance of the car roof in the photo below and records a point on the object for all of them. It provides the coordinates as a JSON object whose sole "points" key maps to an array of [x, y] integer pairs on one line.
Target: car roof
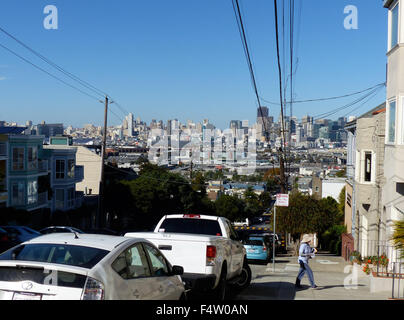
{"points": [[100, 241], [201, 216]]}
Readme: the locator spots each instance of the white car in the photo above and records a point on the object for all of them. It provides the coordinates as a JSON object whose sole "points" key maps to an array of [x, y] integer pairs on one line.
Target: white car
{"points": [[72, 266]]}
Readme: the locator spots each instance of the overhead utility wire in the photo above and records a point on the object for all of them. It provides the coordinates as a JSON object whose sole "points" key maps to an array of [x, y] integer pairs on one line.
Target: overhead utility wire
{"points": [[280, 73], [48, 73], [241, 28], [62, 70], [70, 75], [329, 98]]}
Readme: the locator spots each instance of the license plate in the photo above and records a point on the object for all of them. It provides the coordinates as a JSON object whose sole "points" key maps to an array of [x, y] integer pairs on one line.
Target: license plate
{"points": [[251, 251], [27, 296]]}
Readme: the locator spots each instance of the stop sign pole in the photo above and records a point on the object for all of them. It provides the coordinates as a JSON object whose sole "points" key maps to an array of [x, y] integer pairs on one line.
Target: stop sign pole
{"points": [[282, 200]]}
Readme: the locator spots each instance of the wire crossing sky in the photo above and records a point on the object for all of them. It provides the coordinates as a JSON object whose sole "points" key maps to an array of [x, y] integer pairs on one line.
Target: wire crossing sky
{"points": [[183, 59]]}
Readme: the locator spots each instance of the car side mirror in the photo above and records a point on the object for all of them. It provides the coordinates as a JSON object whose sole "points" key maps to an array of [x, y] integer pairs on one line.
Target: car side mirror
{"points": [[177, 270]]}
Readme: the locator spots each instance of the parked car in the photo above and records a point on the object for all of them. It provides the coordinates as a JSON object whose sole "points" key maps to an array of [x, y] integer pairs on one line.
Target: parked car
{"points": [[207, 247], [64, 266], [59, 229], [5, 241], [244, 223], [21, 234], [258, 247], [102, 231]]}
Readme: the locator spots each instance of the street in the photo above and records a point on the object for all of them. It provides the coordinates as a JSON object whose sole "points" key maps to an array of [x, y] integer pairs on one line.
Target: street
{"points": [[328, 273]]}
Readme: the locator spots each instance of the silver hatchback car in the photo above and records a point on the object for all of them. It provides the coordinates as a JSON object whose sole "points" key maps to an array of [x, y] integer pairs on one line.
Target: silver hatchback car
{"points": [[71, 266]]}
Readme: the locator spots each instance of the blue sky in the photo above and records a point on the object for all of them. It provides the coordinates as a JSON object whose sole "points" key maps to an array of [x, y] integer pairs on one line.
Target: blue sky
{"points": [[183, 59]]}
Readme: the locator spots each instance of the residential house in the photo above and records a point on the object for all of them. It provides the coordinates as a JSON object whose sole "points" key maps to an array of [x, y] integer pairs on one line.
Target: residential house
{"points": [[65, 174], [25, 170], [393, 189], [368, 180]]}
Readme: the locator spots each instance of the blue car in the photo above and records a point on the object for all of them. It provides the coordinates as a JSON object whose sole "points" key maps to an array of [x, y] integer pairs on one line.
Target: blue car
{"points": [[258, 248]]}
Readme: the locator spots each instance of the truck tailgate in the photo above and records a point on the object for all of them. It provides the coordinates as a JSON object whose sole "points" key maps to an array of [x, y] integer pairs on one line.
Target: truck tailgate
{"points": [[186, 250]]}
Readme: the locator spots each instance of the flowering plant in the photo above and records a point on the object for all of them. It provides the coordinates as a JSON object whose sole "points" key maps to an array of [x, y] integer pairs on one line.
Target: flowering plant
{"points": [[366, 269]]}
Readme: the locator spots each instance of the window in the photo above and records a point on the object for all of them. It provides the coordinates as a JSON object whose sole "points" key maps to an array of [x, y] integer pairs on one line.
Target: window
{"points": [[158, 263], [392, 122], [368, 167], [32, 158], [32, 192], [132, 263], [17, 193], [60, 169], [18, 159], [191, 225], [60, 199], [394, 27], [70, 168], [78, 256]]}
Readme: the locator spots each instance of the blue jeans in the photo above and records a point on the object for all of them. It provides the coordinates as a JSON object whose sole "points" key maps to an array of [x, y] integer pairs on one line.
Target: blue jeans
{"points": [[304, 267]]}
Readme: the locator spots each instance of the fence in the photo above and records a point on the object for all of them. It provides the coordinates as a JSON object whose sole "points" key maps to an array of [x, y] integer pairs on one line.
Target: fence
{"points": [[397, 288], [382, 254]]}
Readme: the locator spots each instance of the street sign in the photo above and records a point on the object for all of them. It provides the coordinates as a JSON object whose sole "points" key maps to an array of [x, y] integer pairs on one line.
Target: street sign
{"points": [[282, 200]]}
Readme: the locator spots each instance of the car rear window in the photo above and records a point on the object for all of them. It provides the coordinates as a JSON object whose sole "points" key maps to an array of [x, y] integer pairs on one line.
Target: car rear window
{"points": [[192, 225], [78, 256], [42, 276], [253, 242]]}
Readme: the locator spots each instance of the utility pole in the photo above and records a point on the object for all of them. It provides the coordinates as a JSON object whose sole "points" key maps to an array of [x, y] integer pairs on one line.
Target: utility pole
{"points": [[100, 216]]}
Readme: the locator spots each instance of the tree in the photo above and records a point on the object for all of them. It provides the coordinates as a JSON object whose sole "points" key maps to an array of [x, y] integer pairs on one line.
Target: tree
{"points": [[230, 207], [297, 217], [398, 236]]}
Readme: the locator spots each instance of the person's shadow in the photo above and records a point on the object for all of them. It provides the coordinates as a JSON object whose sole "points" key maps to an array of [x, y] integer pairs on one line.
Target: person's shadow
{"points": [[305, 287]]}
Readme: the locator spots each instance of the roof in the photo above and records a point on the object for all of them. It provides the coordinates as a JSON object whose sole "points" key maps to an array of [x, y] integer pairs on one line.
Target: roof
{"points": [[374, 111], [12, 130], [100, 241]]}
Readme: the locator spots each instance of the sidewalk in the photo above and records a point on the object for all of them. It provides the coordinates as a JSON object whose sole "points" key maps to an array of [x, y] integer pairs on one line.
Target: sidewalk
{"points": [[332, 282]]}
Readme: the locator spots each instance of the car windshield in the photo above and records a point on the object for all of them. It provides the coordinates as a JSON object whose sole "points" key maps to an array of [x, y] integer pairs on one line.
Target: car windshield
{"points": [[78, 256], [253, 242], [192, 225]]}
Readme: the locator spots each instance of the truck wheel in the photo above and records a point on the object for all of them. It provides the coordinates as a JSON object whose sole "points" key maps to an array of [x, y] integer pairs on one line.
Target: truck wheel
{"points": [[219, 293], [245, 276]]}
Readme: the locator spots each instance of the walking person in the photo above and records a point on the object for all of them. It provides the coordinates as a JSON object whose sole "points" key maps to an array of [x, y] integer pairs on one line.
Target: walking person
{"points": [[305, 253]]}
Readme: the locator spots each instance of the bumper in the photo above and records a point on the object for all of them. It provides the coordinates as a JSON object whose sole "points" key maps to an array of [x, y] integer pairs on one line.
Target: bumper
{"points": [[199, 282], [257, 256]]}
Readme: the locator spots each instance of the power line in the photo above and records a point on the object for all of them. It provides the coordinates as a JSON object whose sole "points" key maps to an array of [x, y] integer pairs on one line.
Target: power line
{"points": [[242, 32], [48, 73], [70, 75], [75, 78], [328, 98]]}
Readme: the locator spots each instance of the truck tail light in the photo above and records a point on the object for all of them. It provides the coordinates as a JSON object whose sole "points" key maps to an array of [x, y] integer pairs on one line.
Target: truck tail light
{"points": [[210, 252], [210, 255], [264, 249], [93, 290], [191, 216]]}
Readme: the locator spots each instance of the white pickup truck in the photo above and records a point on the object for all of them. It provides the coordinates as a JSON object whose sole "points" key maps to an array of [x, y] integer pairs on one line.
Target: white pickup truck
{"points": [[208, 249]]}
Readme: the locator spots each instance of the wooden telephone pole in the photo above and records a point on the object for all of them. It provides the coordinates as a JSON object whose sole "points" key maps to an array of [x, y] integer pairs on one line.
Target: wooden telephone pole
{"points": [[100, 221]]}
